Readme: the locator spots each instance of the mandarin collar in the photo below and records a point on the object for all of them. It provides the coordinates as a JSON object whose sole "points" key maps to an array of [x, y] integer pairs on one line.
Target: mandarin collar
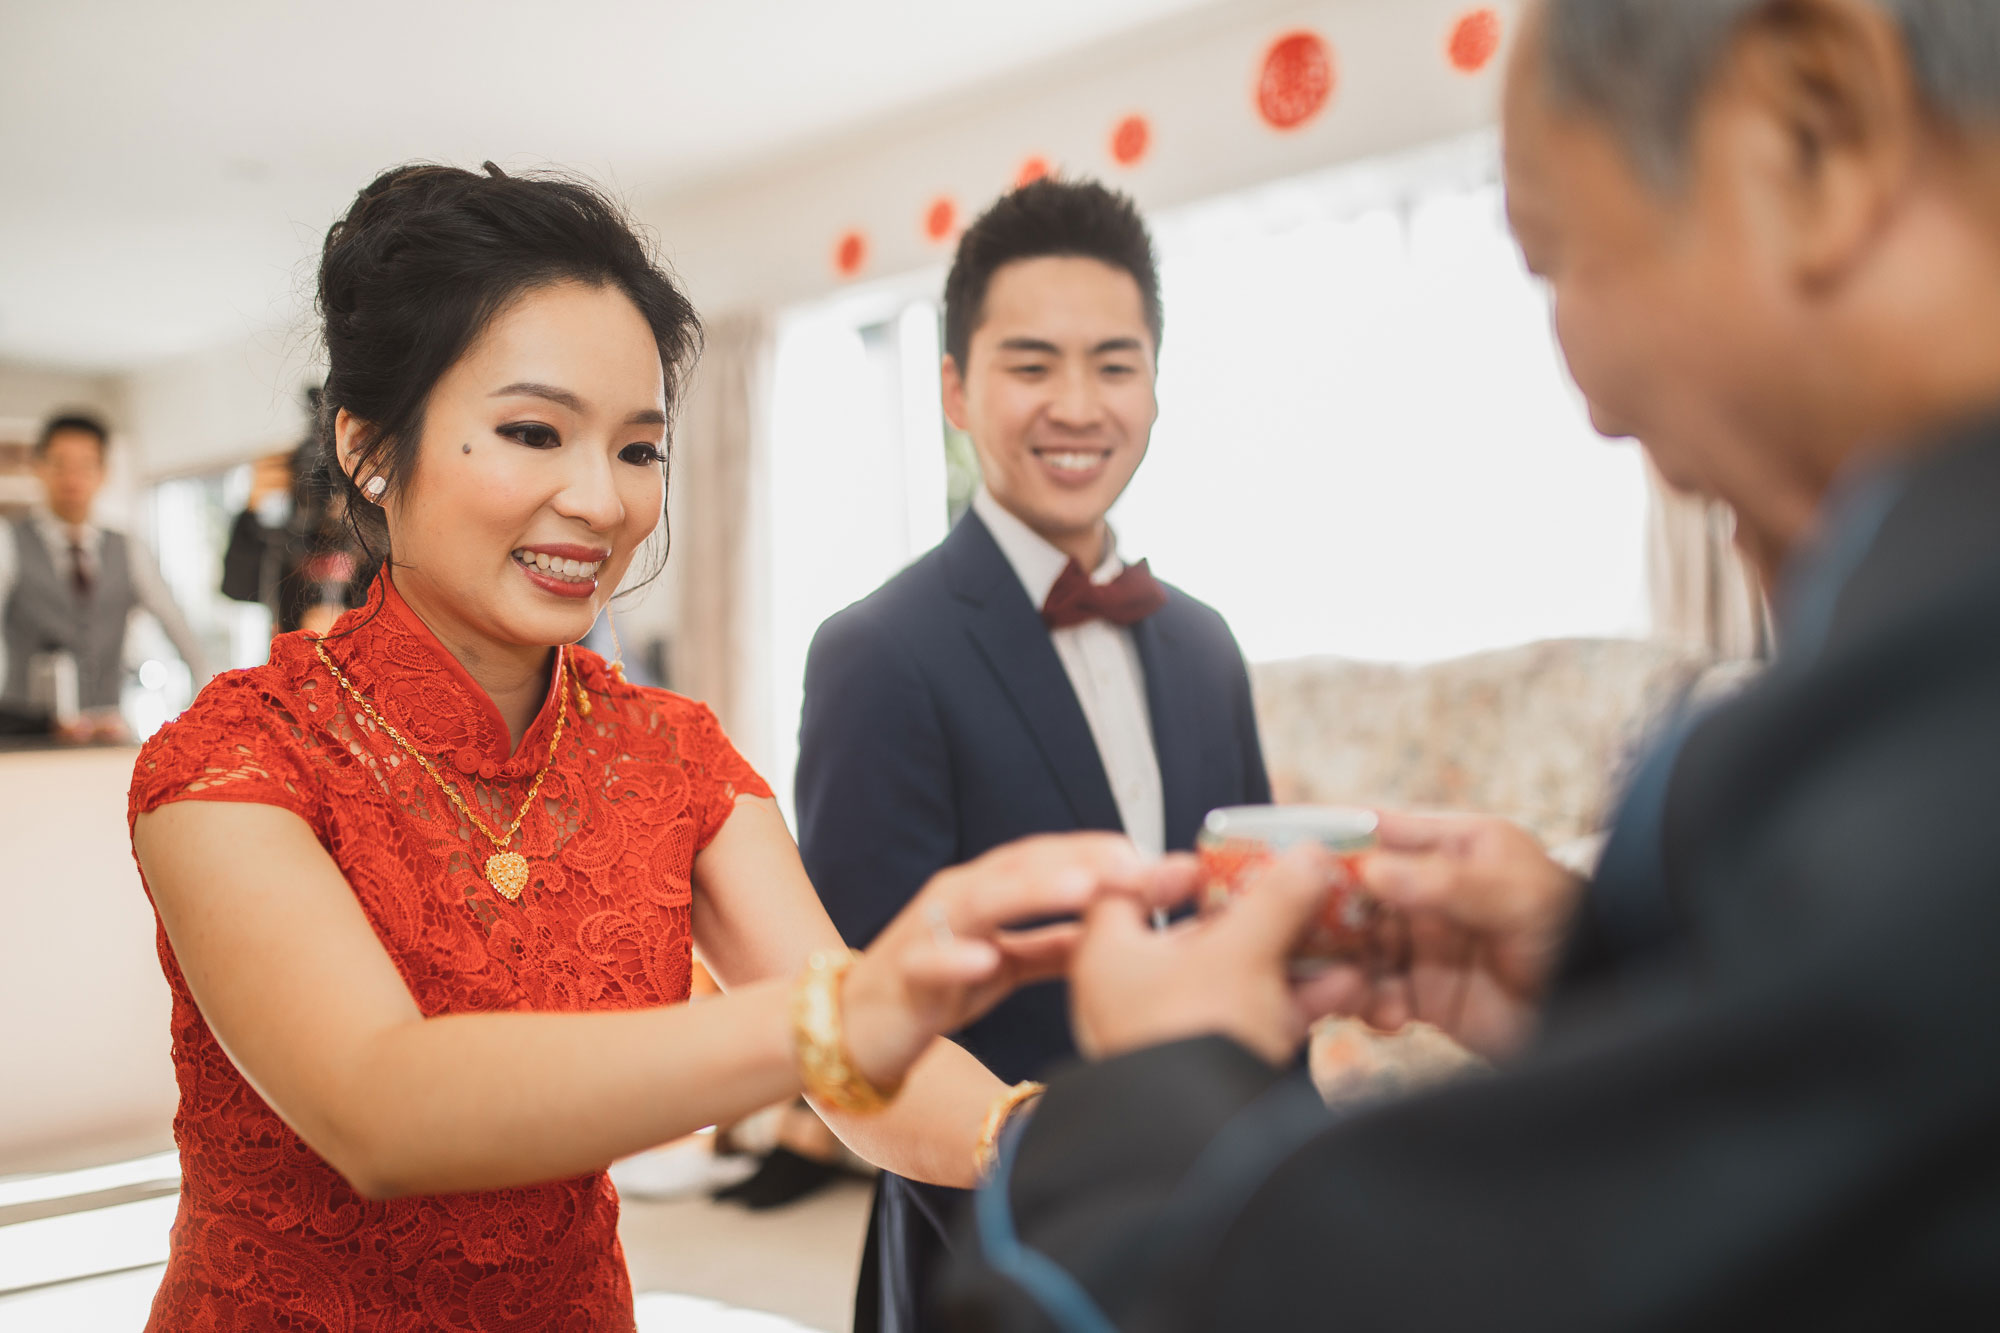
{"points": [[419, 688]]}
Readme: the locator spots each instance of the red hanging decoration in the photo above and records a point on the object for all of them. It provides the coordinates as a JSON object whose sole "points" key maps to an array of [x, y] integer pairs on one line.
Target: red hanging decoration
{"points": [[1130, 140], [1475, 40], [1296, 81], [1032, 170], [850, 255], [941, 219]]}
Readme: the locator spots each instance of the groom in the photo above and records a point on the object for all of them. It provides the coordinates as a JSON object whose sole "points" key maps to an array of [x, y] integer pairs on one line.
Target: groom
{"points": [[1022, 678]]}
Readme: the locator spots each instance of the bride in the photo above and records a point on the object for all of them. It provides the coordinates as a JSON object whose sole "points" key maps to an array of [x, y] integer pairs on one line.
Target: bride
{"points": [[429, 886]]}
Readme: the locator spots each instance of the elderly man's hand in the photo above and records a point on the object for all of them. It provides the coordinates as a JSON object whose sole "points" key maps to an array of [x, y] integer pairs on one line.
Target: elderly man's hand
{"points": [[1229, 974], [1478, 916]]}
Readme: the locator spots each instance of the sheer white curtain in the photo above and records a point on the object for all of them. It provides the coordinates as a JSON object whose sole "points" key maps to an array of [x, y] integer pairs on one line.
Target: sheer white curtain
{"points": [[721, 455], [857, 481], [1704, 592], [1367, 443]]}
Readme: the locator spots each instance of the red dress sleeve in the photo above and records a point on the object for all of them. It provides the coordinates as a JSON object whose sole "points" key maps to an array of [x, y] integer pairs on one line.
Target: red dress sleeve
{"points": [[240, 741], [717, 774]]}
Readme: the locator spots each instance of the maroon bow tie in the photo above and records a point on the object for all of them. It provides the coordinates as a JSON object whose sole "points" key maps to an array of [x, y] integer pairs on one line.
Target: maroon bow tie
{"points": [[1126, 600]]}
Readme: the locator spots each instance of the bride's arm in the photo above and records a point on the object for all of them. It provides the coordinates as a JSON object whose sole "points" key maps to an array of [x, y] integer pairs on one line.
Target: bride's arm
{"points": [[293, 982], [757, 918]]}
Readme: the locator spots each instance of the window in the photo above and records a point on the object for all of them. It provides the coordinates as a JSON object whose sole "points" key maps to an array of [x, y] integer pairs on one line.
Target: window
{"points": [[1368, 445], [859, 474]]}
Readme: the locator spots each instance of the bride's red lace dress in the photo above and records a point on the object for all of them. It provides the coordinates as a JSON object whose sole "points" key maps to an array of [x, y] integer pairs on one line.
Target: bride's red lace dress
{"points": [[269, 1236]]}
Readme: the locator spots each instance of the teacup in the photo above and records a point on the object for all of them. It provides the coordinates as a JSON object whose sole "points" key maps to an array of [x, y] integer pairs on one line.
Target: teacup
{"points": [[1238, 842]]}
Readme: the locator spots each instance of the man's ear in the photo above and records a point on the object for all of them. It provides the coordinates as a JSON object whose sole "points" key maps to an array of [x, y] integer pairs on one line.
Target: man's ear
{"points": [[954, 392], [1834, 77]]}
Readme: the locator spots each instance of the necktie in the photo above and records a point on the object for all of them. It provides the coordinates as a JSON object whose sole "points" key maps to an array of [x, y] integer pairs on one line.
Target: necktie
{"points": [[1126, 600], [79, 577]]}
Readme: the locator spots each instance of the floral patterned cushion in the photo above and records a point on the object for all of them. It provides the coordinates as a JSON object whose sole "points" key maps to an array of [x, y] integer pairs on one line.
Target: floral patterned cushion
{"points": [[1543, 734]]}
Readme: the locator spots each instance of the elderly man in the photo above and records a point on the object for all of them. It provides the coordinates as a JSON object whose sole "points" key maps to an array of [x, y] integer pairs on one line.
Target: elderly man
{"points": [[1750, 1076]]}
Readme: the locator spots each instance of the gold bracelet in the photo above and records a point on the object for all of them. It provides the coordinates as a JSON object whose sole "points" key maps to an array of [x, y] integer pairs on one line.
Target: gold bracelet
{"points": [[1003, 1109], [820, 1043]]}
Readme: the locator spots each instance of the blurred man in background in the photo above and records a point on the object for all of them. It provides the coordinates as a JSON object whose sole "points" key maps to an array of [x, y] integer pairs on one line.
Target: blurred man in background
{"points": [[1023, 677], [68, 587], [1752, 1071], [290, 548]]}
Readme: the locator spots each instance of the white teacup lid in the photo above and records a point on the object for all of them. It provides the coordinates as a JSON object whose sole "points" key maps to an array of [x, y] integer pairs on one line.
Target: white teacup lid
{"points": [[1341, 828]]}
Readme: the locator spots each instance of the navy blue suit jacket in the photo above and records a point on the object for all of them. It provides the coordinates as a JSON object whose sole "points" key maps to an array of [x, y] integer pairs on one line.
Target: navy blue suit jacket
{"points": [[939, 724]]}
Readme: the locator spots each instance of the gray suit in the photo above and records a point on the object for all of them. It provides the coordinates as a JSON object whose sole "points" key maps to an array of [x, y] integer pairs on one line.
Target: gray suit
{"points": [[41, 612]]}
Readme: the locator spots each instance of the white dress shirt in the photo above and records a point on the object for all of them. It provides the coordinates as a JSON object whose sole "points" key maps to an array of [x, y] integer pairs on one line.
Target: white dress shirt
{"points": [[148, 588], [1103, 667]]}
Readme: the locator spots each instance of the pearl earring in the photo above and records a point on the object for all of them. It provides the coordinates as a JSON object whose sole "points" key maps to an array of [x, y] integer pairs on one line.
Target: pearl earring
{"points": [[373, 490]]}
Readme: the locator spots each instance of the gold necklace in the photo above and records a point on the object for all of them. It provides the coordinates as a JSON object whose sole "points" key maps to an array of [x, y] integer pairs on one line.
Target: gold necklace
{"points": [[506, 871]]}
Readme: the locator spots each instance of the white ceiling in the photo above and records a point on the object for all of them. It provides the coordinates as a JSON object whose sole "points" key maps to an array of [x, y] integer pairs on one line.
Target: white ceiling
{"points": [[167, 169]]}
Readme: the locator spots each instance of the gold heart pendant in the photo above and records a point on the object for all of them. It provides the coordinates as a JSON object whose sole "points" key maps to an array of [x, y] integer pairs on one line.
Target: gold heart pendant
{"points": [[507, 872]]}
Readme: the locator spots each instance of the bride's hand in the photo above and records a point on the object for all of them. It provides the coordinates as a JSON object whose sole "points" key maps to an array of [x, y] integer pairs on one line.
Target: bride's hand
{"points": [[970, 937]]}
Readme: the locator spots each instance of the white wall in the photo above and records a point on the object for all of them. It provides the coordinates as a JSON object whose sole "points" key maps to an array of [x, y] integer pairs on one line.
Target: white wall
{"points": [[768, 237], [29, 395], [85, 1037], [191, 414], [222, 406]]}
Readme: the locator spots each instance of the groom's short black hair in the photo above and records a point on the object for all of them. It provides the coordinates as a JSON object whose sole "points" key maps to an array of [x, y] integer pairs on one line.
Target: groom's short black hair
{"points": [[1050, 217]]}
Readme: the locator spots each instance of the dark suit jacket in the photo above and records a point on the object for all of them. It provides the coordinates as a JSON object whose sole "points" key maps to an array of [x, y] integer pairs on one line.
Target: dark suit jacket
{"points": [[939, 724], [1775, 1104]]}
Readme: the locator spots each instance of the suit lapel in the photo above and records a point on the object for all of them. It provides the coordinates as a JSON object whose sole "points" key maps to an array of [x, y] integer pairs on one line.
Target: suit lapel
{"points": [[1173, 700], [1009, 633]]}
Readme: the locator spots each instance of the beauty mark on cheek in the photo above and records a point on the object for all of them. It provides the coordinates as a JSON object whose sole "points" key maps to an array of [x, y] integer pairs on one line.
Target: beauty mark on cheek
{"points": [[465, 448]]}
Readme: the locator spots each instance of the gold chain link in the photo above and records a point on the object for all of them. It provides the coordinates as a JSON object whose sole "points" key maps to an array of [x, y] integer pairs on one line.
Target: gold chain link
{"points": [[499, 840]]}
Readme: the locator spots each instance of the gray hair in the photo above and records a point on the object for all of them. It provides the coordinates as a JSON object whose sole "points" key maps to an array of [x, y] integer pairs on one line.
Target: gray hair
{"points": [[1645, 64]]}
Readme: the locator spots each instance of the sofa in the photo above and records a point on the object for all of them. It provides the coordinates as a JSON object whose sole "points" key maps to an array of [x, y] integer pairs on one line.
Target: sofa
{"points": [[1543, 734]]}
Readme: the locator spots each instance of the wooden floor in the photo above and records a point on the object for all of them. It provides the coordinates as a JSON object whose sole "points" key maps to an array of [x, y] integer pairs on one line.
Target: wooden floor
{"points": [[798, 1262]]}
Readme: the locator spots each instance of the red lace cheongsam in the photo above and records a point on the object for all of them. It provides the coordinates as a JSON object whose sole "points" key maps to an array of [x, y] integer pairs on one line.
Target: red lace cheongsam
{"points": [[269, 1236]]}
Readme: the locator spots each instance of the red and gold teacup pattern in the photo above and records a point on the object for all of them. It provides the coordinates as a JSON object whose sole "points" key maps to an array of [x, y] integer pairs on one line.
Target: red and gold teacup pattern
{"points": [[1237, 843]]}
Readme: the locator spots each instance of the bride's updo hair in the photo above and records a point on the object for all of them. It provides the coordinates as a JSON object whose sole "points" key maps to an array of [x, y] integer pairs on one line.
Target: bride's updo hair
{"points": [[424, 261]]}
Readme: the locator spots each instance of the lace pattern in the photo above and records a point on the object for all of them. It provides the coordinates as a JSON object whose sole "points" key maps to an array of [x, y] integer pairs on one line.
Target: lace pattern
{"points": [[269, 1236]]}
